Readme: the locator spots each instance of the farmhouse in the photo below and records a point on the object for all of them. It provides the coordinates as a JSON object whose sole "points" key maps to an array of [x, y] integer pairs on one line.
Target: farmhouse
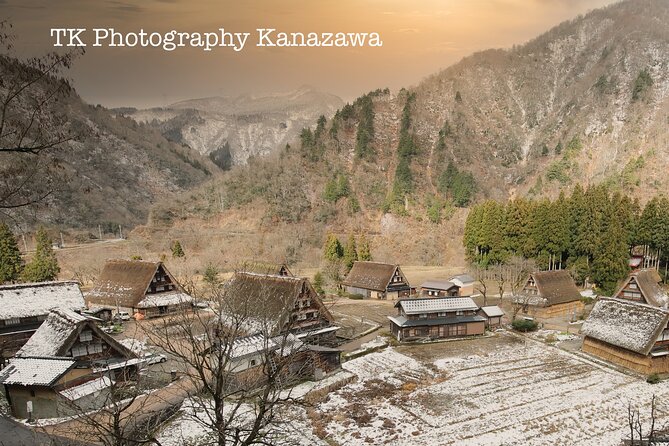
{"points": [[249, 356], [465, 283], [377, 280], [493, 316], [628, 333], [643, 286], [439, 317], [69, 364], [24, 307], [439, 288], [273, 305], [279, 269], [138, 286], [549, 294]]}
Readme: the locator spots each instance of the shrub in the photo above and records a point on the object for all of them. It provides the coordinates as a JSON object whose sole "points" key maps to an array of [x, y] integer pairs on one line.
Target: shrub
{"points": [[524, 325], [653, 378], [356, 296]]}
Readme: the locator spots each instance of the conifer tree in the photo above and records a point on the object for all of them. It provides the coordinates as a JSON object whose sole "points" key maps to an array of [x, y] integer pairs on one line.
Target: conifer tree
{"points": [[332, 251], [350, 252], [43, 266], [177, 250], [11, 263], [364, 253]]}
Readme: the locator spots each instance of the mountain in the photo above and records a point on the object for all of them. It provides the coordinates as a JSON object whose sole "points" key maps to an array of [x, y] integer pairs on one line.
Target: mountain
{"points": [[108, 171], [236, 128], [586, 102]]}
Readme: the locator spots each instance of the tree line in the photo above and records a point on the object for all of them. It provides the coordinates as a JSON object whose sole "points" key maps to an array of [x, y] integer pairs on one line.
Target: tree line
{"points": [[42, 267], [591, 232]]}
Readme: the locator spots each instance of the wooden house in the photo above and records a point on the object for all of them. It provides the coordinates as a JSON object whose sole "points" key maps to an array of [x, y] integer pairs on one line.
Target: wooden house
{"points": [[548, 294], [138, 287], [465, 284], [249, 358], [433, 318], [273, 305], [377, 280], [68, 365], [25, 306], [493, 316], [631, 334], [439, 288], [277, 269], [643, 286]]}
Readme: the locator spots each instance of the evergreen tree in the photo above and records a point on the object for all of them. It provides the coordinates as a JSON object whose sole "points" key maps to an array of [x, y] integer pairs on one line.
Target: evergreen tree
{"points": [[350, 252], [177, 250], [332, 251], [318, 282], [610, 263], [43, 266], [11, 263], [365, 132], [364, 252], [210, 275]]}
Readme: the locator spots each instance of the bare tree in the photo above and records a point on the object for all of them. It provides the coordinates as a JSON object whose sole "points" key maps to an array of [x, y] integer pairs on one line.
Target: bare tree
{"points": [[31, 130], [636, 427], [481, 275], [519, 269]]}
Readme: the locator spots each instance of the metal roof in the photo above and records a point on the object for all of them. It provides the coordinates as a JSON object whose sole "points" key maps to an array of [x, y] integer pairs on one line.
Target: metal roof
{"points": [[436, 304], [35, 371], [438, 284], [492, 311]]}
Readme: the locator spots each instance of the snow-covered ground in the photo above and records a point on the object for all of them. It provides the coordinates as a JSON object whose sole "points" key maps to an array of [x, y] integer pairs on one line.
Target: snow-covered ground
{"points": [[519, 394], [516, 393]]}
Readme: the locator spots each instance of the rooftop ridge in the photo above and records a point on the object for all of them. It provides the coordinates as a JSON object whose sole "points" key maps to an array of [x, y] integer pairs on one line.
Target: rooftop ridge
{"points": [[15, 286]]}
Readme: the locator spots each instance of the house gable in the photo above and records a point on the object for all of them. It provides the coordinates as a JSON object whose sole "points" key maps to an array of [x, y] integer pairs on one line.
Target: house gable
{"points": [[643, 286]]}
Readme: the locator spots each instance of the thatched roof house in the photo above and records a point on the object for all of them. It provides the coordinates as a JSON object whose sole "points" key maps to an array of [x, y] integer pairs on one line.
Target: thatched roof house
{"points": [[273, 304], [25, 306], [628, 333], [278, 269], [644, 286], [69, 334], [549, 294], [378, 280], [138, 286]]}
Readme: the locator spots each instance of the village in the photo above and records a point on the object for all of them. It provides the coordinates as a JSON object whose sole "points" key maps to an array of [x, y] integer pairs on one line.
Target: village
{"points": [[386, 358]]}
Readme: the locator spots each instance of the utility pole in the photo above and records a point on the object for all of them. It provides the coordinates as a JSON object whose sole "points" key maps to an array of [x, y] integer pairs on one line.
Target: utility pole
{"points": [[120, 233], [62, 240], [25, 245], [100, 231]]}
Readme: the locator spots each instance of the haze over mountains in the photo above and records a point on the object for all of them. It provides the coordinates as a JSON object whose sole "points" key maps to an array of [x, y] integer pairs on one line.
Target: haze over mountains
{"points": [[249, 125]]}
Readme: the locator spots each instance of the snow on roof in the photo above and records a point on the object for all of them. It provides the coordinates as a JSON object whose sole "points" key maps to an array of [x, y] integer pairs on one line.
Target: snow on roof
{"points": [[648, 281], [51, 336], [438, 284], [630, 325], [164, 299], [35, 371], [436, 304], [462, 279], [36, 299], [87, 388], [258, 343], [492, 311]]}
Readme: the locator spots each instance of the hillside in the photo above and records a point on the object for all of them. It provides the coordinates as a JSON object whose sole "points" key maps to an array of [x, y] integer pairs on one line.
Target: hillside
{"points": [[108, 172], [236, 128], [585, 102]]}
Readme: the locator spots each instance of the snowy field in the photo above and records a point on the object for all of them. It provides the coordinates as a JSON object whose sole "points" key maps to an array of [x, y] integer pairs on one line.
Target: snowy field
{"points": [[495, 391]]}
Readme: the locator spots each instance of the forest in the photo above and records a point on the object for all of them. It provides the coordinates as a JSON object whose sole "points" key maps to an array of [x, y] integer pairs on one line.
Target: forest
{"points": [[591, 232]]}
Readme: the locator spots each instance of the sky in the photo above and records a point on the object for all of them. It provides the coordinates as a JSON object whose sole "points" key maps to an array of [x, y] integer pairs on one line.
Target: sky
{"points": [[420, 37]]}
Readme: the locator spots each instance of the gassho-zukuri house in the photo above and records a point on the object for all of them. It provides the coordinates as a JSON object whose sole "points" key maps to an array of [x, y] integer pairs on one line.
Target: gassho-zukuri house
{"points": [[138, 287], [433, 318], [24, 307], [631, 334], [643, 286], [549, 294], [68, 365], [377, 280]]}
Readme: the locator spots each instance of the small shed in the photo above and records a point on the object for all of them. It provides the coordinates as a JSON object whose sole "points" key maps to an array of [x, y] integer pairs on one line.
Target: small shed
{"points": [[493, 315], [465, 283], [439, 288]]}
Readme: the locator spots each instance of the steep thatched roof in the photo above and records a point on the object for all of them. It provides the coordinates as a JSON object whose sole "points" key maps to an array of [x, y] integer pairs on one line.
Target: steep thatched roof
{"points": [[124, 282], [555, 287], [267, 300], [59, 332], [649, 286], [630, 325], [370, 275], [279, 269]]}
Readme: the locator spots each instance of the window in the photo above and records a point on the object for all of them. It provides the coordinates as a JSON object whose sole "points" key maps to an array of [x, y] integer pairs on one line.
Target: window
{"points": [[423, 315], [79, 350], [253, 362], [95, 348], [13, 321], [442, 314], [633, 285], [459, 313], [86, 336]]}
